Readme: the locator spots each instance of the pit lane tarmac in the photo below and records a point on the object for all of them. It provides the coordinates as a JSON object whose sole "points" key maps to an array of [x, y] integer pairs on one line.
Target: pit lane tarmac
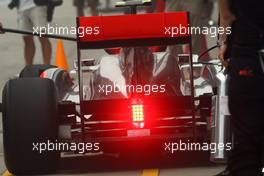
{"points": [[178, 164]]}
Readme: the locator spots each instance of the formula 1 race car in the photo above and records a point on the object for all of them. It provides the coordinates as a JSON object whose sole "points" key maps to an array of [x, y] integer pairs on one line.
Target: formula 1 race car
{"points": [[138, 93]]}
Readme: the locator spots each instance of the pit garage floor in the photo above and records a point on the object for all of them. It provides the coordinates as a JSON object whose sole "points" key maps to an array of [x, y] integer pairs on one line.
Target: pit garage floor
{"points": [[11, 58]]}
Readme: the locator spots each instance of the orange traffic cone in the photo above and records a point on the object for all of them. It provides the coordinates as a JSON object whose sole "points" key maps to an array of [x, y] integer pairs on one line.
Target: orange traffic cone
{"points": [[61, 60]]}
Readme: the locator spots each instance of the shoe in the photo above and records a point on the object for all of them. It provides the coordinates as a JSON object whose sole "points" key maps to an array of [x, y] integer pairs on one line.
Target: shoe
{"points": [[224, 173]]}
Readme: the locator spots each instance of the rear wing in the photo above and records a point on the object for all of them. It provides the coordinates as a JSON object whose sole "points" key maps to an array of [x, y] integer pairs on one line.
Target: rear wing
{"points": [[133, 30], [156, 29]]}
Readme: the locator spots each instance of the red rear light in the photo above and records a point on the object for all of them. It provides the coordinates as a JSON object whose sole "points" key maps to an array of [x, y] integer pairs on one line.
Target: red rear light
{"points": [[138, 113]]}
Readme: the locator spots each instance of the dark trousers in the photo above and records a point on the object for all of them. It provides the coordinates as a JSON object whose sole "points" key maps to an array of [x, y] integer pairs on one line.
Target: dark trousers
{"points": [[246, 104]]}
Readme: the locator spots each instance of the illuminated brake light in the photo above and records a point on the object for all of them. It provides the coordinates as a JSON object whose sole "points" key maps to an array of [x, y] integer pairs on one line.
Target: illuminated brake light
{"points": [[138, 113]]}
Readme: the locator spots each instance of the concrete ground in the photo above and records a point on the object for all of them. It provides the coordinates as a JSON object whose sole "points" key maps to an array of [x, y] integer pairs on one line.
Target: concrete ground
{"points": [[11, 58]]}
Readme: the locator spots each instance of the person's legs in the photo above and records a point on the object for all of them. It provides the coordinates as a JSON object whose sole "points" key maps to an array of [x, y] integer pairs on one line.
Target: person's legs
{"points": [[79, 4], [195, 8], [246, 99], [93, 4], [24, 23], [39, 18], [174, 6], [29, 49], [245, 158], [46, 50]]}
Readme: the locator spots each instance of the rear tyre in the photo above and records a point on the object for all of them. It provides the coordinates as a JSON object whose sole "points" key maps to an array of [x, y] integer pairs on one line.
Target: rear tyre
{"points": [[29, 117]]}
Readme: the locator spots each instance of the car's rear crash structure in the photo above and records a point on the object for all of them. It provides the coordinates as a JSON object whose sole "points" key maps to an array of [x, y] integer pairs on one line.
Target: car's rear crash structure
{"points": [[44, 104]]}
